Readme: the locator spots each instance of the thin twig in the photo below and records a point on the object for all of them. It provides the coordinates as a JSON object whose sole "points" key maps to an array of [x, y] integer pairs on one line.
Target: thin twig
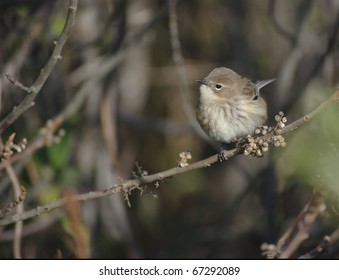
{"points": [[20, 55], [299, 231], [334, 98], [17, 189], [323, 246], [42, 140], [107, 64], [33, 227], [12, 205], [130, 185], [33, 90]]}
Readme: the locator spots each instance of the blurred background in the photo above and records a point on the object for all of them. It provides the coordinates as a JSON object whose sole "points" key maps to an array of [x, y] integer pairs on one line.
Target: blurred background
{"points": [[126, 87]]}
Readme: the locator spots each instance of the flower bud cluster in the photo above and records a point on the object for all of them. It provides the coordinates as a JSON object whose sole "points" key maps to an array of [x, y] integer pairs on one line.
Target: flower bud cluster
{"points": [[265, 135], [281, 122], [10, 148], [263, 130], [48, 133], [269, 250], [279, 141], [184, 158], [255, 147]]}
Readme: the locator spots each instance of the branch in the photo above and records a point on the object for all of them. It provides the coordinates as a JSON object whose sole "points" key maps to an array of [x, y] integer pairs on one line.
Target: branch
{"points": [[19, 192], [323, 246], [299, 231], [33, 90], [49, 134], [308, 117], [12, 205], [128, 186]]}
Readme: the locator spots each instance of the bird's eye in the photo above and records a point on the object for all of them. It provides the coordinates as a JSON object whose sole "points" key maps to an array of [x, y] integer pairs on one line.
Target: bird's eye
{"points": [[218, 86]]}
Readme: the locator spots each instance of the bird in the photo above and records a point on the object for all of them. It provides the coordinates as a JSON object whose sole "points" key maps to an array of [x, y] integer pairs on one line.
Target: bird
{"points": [[230, 106]]}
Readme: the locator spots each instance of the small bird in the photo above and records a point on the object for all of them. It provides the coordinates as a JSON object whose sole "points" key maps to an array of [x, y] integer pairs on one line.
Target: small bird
{"points": [[230, 106]]}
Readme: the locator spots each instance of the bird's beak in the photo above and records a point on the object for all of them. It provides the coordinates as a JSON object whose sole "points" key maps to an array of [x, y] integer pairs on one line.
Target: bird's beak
{"points": [[203, 81]]}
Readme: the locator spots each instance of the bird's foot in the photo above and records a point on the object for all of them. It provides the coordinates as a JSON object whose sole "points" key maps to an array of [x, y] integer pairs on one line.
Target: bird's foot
{"points": [[221, 155]]}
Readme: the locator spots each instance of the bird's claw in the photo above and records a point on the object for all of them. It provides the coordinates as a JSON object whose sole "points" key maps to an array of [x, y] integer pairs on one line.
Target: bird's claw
{"points": [[221, 155]]}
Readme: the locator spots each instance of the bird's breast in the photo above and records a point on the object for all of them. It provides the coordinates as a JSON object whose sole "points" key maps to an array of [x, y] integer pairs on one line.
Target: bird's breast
{"points": [[225, 121]]}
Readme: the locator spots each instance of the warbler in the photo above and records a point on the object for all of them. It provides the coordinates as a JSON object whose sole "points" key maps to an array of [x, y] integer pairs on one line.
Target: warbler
{"points": [[230, 106]]}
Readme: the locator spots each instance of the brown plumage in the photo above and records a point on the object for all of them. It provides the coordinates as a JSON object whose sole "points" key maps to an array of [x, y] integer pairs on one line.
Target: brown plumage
{"points": [[230, 106]]}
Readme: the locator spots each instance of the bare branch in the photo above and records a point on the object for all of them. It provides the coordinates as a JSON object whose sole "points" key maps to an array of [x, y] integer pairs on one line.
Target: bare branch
{"points": [[20, 193], [130, 185], [299, 231], [11, 206], [47, 136], [334, 98], [323, 246], [33, 90]]}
